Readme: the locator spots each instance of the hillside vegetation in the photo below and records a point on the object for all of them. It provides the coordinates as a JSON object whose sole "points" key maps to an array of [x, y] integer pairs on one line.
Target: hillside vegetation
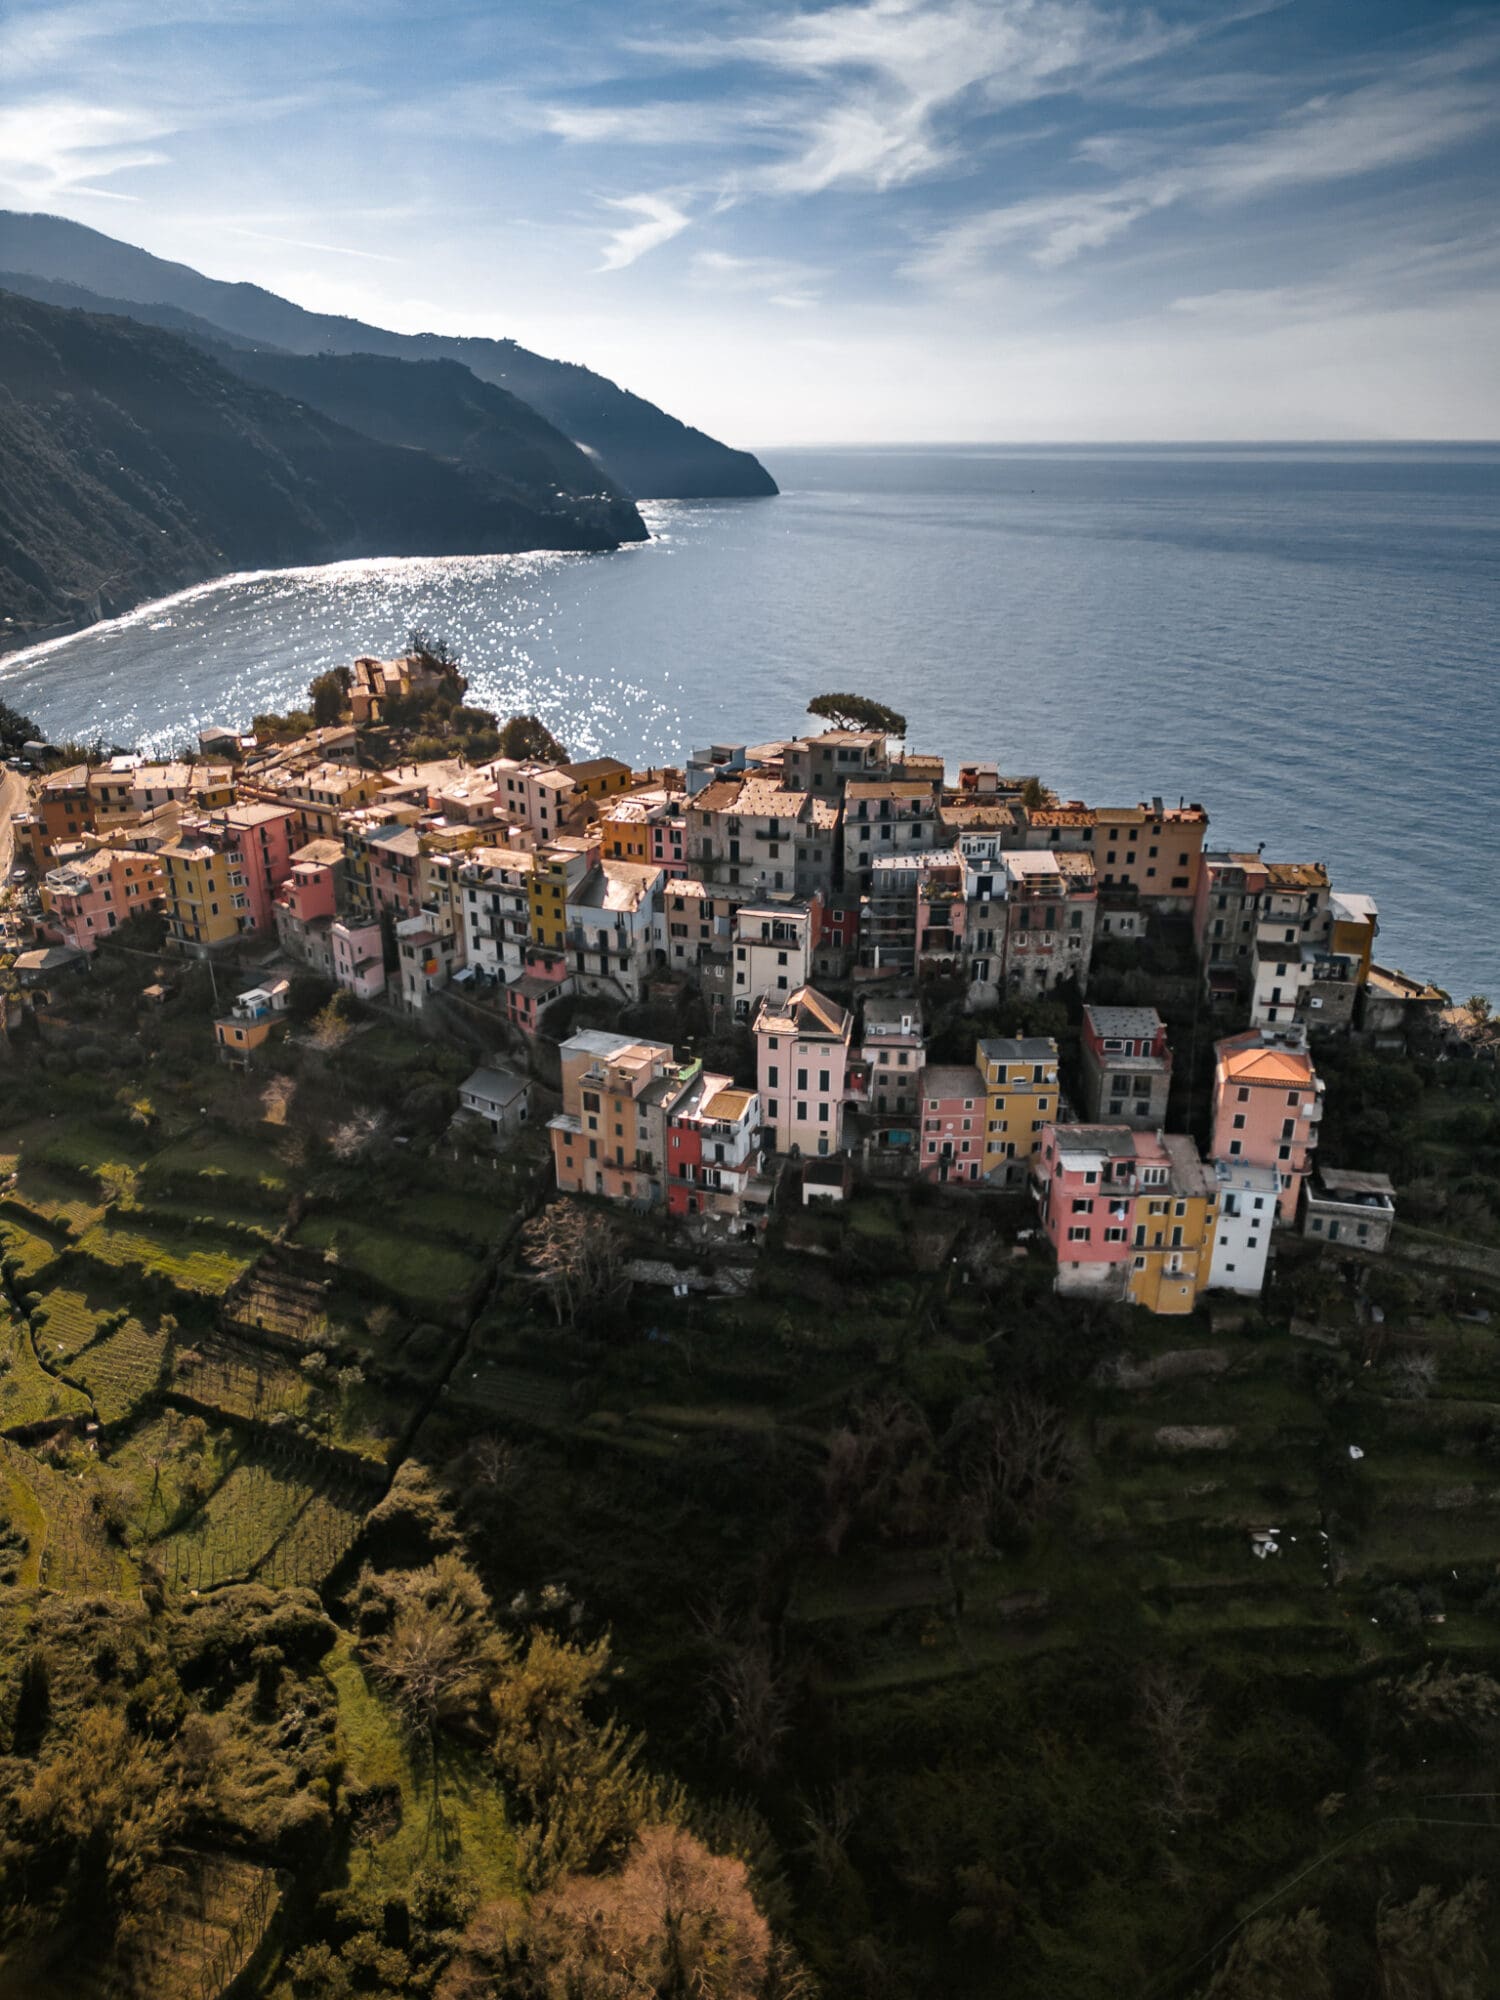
{"points": [[131, 463], [379, 1615], [648, 452]]}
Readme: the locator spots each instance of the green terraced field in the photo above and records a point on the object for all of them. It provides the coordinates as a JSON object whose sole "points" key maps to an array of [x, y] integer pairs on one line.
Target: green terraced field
{"points": [[191, 1260], [28, 1394], [421, 1273], [29, 1251]]}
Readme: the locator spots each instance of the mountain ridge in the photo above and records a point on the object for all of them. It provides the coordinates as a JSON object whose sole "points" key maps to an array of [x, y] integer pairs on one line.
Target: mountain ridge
{"points": [[651, 454], [133, 463]]}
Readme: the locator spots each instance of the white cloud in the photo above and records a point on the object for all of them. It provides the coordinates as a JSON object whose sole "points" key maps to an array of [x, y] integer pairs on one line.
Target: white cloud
{"points": [[56, 146], [1326, 140], [660, 222], [875, 81]]}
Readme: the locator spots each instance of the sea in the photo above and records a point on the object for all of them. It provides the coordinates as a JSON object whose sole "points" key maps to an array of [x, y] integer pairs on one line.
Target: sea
{"points": [[1302, 639]]}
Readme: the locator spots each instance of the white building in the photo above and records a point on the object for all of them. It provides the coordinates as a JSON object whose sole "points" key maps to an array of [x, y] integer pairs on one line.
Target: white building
{"points": [[1242, 1239], [498, 1096], [772, 949], [494, 886], [615, 928]]}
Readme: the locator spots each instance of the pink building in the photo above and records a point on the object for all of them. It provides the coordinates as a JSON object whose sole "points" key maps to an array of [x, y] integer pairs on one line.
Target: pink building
{"points": [[358, 958], [668, 845], [1268, 1103], [546, 978], [802, 1059], [952, 1114], [89, 897], [1086, 1177], [262, 836]]}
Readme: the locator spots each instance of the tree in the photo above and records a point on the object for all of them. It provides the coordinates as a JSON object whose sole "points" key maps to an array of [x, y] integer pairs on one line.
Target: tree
{"points": [[1012, 1456], [858, 711], [1432, 1948], [526, 736], [577, 1257], [328, 696], [331, 1026], [15, 729], [1175, 1734], [432, 1656], [1273, 1958], [432, 651], [675, 1920]]}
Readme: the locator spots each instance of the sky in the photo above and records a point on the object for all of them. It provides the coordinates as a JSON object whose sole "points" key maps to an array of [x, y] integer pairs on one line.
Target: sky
{"points": [[873, 222]]}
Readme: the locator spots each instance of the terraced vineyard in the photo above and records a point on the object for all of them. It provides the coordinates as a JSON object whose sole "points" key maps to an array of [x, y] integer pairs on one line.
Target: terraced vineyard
{"points": [[268, 1520], [26, 1249], [28, 1394], [236, 1527], [74, 1553], [122, 1368], [193, 1260]]}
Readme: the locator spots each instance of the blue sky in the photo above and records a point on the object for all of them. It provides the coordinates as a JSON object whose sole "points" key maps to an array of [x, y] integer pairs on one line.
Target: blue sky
{"points": [[876, 221]]}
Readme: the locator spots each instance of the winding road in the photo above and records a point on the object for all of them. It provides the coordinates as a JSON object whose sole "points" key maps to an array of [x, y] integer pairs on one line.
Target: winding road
{"points": [[12, 799]]}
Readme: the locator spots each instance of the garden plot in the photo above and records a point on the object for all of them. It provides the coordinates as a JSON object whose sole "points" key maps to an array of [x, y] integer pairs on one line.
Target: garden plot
{"points": [[167, 1462], [74, 1553], [319, 1539], [193, 1260], [77, 1146], [222, 1169], [236, 1527], [428, 1276], [123, 1367], [55, 1198], [241, 1381], [26, 1251], [28, 1394]]}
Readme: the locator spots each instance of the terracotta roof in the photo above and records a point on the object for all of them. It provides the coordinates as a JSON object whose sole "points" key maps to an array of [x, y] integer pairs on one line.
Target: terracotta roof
{"points": [[1267, 1065]]}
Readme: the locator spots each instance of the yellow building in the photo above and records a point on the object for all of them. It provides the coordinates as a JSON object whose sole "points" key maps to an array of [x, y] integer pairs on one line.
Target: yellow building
{"points": [[1355, 927], [1174, 1216], [1020, 1088], [558, 869], [599, 777], [204, 901]]}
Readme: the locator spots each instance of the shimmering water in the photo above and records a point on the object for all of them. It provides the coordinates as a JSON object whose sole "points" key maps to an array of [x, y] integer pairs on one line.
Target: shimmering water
{"points": [[1304, 640]]}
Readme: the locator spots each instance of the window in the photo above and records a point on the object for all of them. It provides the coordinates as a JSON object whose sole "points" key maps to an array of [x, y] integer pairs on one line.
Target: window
{"points": [[1082, 1205], [802, 1079], [1078, 1235], [773, 1075]]}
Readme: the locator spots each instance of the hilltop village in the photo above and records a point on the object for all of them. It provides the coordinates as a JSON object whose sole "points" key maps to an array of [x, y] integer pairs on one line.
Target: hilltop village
{"points": [[810, 1328], [842, 903]]}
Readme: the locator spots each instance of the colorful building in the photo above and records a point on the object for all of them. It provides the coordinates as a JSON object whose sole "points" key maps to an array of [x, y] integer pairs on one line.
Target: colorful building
{"points": [[86, 899], [255, 1016], [953, 1114], [802, 1059], [1020, 1100], [713, 1150], [1268, 1102], [1127, 1066], [1130, 1215], [609, 1137]]}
